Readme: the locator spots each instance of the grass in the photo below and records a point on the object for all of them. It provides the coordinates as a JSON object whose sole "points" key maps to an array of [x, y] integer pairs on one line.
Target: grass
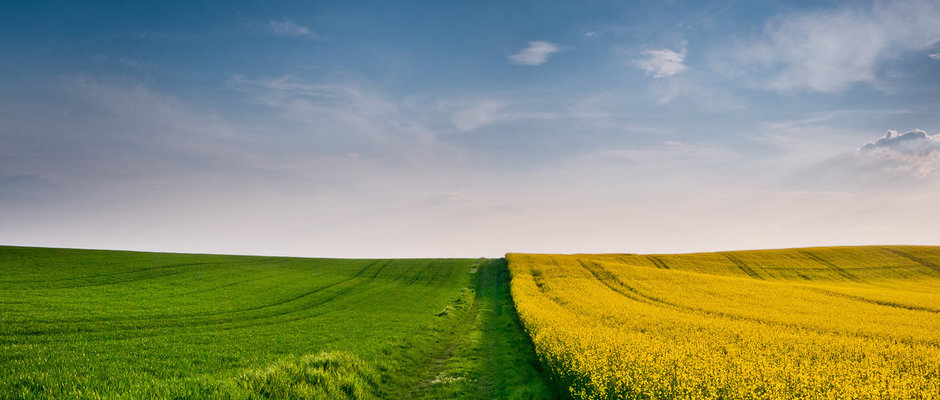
{"points": [[488, 356], [328, 375], [86, 324], [834, 322]]}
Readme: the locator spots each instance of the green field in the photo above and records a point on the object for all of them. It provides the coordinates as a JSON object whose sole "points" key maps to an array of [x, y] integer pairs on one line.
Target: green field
{"points": [[128, 325]]}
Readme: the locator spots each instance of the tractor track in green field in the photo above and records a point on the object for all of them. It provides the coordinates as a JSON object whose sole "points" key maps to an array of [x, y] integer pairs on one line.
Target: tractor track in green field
{"points": [[233, 321], [215, 313], [98, 276], [132, 274], [174, 316]]}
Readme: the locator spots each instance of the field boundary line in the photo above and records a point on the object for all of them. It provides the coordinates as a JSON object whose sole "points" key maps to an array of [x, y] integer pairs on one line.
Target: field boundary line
{"points": [[815, 257], [742, 266], [877, 302], [658, 261], [912, 257]]}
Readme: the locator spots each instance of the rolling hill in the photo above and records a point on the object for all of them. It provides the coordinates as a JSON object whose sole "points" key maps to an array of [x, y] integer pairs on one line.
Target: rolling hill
{"points": [[126, 325]]}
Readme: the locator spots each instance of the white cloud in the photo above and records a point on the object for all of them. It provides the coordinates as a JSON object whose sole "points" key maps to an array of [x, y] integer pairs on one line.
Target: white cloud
{"points": [[537, 53], [828, 50], [913, 140], [663, 63], [903, 162], [289, 28], [915, 152], [935, 56]]}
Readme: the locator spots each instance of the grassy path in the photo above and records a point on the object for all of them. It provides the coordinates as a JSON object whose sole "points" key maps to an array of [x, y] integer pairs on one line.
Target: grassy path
{"points": [[486, 355]]}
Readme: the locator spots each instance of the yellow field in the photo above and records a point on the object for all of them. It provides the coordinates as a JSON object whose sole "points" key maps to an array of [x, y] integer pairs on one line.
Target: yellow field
{"points": [[815, 323]]}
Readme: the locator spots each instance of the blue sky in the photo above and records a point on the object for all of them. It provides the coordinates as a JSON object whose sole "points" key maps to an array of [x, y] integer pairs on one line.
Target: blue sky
{"points": [[375, 129]]}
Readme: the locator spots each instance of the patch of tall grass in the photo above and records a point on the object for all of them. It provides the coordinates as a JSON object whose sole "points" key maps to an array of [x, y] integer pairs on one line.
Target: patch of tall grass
{"points": [[327, 375]]}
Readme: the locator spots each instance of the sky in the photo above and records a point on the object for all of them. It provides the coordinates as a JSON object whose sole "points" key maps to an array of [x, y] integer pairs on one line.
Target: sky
{"points": [[468, 128]]}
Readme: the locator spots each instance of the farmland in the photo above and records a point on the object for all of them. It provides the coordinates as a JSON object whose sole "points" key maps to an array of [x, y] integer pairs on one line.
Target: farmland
{"points": [[836, 322], [127, 325]]}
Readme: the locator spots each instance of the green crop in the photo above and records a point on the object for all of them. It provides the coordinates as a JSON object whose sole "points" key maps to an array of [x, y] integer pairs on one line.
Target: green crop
{"points": [[82, 324]]}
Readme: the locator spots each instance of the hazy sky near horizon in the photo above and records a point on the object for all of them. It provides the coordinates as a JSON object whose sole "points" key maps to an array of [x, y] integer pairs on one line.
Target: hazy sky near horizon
{"points": [[410, 129]]}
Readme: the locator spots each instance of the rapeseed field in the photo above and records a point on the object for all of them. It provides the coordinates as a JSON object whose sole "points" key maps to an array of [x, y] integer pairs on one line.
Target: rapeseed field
{"points": [[814, 323]]}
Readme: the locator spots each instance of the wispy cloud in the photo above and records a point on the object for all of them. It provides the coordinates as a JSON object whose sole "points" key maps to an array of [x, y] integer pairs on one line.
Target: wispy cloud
{"points": [[537, 53], [663, 63], [478, 115], [664, 66], [468, 114], [674, 153], [287, 27], [828, 50], [124, 133], [935, 56], [342, 118]]}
